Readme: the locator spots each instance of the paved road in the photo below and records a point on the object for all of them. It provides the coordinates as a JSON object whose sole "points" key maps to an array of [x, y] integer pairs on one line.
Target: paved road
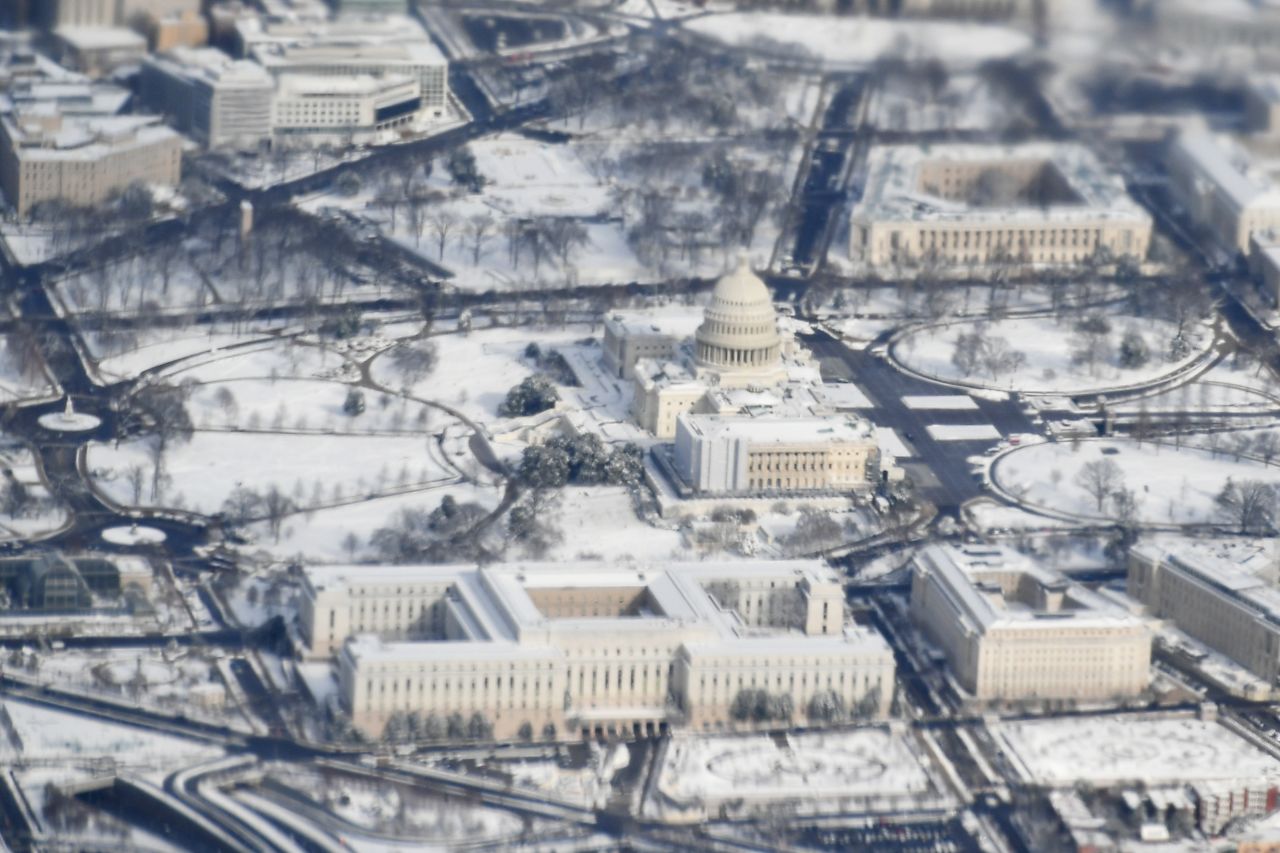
{"points": [[940, 469]]}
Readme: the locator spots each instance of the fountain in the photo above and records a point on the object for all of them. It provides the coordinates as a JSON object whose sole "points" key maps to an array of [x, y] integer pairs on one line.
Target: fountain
{"points": [[133, 535], [69, 420]]}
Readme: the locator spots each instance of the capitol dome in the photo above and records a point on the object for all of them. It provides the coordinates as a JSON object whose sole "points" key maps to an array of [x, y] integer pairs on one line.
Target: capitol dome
{"points": [[739, 328]]}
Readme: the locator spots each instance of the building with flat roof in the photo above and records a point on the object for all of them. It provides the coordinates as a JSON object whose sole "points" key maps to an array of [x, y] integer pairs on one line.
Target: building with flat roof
{"points": [[975, 205], [1226, 594], [97, 51], [218, 100], [590, 648], [373, 45], [82, 159], [1013, 630], [776, 454], [1221, 188], [344, 106]]}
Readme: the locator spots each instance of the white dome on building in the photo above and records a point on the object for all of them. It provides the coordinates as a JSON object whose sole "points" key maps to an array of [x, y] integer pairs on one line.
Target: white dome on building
{"points": [[739, 328]]}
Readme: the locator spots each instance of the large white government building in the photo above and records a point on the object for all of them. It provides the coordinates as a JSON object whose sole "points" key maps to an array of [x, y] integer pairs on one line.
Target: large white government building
{"points": [[351, 46], [1222, 189], [1012, 630], [737, 345], [776, 454], [1041, 203], [588, 648], [1225, 594]]}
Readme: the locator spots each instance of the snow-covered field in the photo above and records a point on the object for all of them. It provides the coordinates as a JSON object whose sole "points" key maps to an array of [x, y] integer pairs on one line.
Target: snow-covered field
{"points": [[858, 41], [1131, 748], [600, 522], [1172, 486], [41, 734], [1053, 354], [393, 814], [868, 765], [311, 469], [474, 371]]}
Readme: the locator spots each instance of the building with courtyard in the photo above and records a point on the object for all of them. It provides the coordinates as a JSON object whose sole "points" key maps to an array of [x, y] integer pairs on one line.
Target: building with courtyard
{"points": [[1224, 594], [975, 205], [590, 648], [1013, 630]]}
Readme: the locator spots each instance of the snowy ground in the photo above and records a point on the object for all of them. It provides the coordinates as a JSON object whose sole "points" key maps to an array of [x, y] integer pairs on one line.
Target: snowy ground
{"points": [[38, 513], [1131, 748], [1172, 486], [857, 768], [600, 523], [393, 813], [859, 41], [1050, 350], [36, 733]]}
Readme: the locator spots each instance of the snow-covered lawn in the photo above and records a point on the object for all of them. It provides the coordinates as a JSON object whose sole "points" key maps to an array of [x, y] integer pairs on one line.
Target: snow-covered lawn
{"points": [[600, 521], [37, 513], [313, 470], [395, 813], [1132, 748], [858, 41], [1172, 486], [941, 402], [1052, 353], [963, 432], [43, 734], [22, 374], [474, 371], [322, 535], [867, 765]]}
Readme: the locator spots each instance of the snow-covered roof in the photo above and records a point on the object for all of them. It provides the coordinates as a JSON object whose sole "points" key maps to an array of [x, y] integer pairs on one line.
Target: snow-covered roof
{"points": [[72, 137], [854, 642], [382, 38], [1245, 570], [313, 85], [1228, 169], [102, 38], [971, 576], [893, 189], [776, 429]]}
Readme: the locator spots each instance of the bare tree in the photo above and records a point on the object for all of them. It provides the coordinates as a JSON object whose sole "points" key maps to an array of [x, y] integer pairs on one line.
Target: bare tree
{"points": [[1249, 504], [1100, 478], [479, 229], [441, 223]]}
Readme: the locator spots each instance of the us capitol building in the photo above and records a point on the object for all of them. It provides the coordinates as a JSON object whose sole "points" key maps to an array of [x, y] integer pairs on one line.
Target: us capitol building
{"points": [[743, 402]]}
